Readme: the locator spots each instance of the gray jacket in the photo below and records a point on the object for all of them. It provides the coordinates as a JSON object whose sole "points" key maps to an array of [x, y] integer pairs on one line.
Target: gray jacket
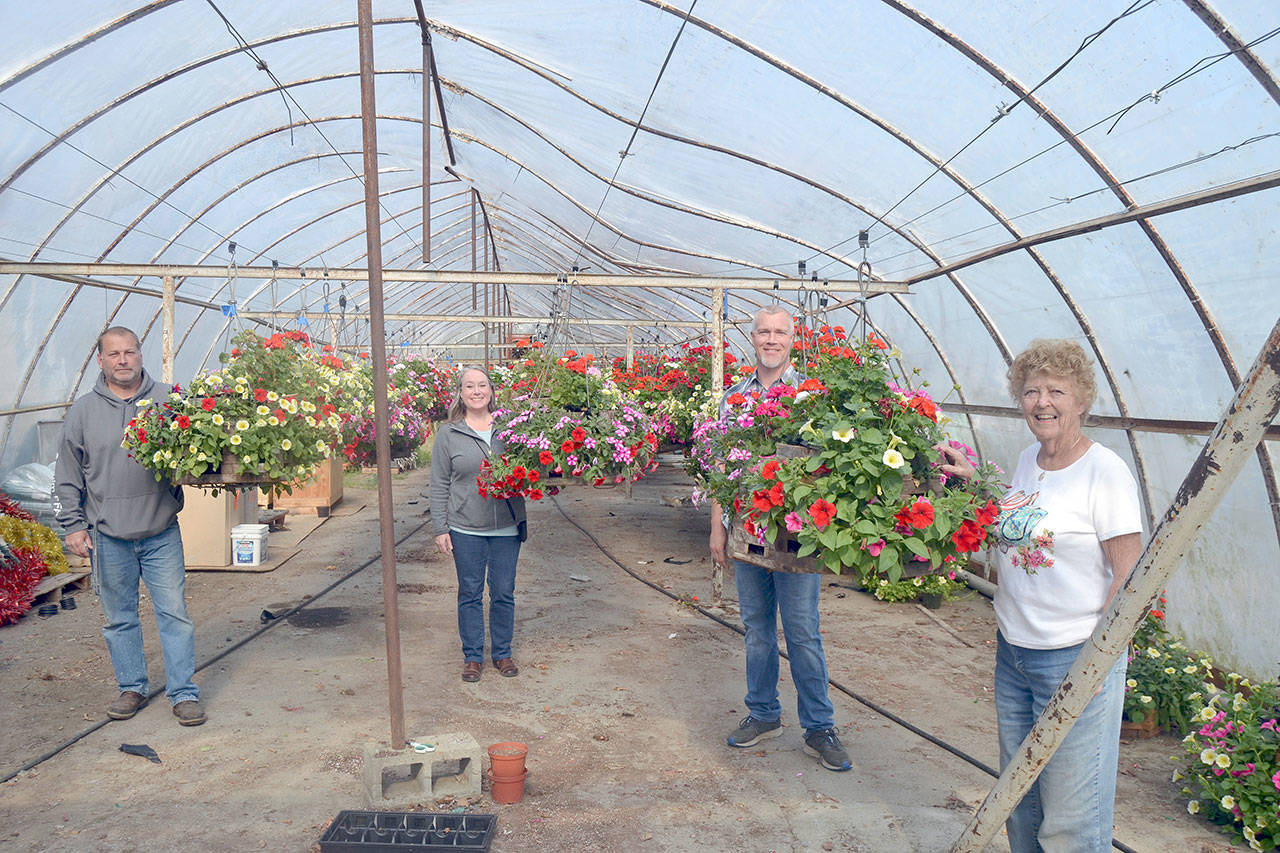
{"points": [[455, 499], [96, 483]]}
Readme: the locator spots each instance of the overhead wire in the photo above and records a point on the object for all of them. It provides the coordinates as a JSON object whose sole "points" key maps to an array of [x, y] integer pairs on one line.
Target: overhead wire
{"points": [[1002, 111]]}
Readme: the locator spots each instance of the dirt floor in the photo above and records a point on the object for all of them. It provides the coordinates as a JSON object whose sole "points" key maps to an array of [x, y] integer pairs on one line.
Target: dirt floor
{"points": [[624, 697]]}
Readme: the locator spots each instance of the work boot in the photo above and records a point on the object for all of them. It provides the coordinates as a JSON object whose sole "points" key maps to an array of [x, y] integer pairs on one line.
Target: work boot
{"points": [[189, 713], [825, 746], [751, 731], [126, 705]]}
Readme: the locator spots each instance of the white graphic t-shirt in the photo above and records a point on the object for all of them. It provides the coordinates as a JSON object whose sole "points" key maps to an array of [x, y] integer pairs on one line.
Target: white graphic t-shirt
{"points": [[1053, 573]]}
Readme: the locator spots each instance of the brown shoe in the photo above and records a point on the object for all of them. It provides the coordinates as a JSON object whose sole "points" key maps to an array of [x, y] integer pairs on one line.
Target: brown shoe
{"points": [[471, 670], [126, 705], [507, 667], [189, 713]]}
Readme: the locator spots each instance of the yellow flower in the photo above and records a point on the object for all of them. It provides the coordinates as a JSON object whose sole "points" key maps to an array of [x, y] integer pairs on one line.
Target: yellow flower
{"points": [[259, 423], [1222, 760], [213, 379], [1193, 807], [1153, 652], [272, 396], [235, 439], [273, 420], [845, 435], [1189, 669], [1168, 670], [263, 410], [1208, 755], [893, 459], [321, 447], [217, 419], [1146, 700], [286, 444], [1227, 802], [242, 425], [157, 456]]}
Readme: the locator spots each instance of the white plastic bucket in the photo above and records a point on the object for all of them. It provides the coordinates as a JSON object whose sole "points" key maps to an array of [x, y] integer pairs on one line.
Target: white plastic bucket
{"points": [[248, 544]]}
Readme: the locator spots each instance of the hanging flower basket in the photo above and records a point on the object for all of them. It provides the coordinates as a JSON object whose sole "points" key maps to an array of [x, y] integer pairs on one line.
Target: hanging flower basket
{"points": [[229, 473]]}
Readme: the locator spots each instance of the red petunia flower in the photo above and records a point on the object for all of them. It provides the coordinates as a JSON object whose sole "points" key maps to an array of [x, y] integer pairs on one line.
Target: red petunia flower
{"points": [[919, 515], [988, 513], [260, 394], [183, 422], [545, 458], [208, 403], [566, 446], [775, 494], [822, 512], [760, 500], [579, 434], [535, 494], [770, 469], [736, 399]]}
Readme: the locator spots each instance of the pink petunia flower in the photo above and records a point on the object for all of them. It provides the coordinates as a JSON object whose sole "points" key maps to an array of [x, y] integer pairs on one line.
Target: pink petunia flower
{"points": [[794, 522]]}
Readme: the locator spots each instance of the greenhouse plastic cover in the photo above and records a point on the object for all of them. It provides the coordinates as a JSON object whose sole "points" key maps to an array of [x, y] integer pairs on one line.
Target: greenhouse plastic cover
{"points": [[706, 137]]}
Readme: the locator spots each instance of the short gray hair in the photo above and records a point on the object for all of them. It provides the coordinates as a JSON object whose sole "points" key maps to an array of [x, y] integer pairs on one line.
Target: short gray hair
{"points": [[775, 308]]}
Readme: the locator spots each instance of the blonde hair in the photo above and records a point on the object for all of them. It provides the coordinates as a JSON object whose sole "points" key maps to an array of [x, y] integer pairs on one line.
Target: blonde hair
{"points": [[1054, 357], [457, 410]]}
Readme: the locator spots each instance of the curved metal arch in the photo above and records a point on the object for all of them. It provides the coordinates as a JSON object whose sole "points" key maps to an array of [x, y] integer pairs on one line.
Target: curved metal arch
{"points": [[971, 191]]}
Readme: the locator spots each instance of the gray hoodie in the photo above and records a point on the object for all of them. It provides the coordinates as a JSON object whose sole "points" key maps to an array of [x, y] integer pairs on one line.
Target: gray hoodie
{"points": [[455, 498], [97, 484]]}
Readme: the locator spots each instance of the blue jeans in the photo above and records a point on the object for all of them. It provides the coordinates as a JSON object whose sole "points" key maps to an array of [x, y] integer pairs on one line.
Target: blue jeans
{"points": [[762, 595], [157, 561], [1071, 805], [473, 557]]}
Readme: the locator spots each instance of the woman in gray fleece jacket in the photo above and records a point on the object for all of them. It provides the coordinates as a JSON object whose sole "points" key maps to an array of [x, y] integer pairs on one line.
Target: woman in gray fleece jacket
{"points": [[482, 533]]}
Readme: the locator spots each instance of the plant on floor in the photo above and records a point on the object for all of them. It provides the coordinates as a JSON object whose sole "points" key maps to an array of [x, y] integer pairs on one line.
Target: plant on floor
{"points": [[1164, 676], [20, 572], [910, 589], [17, 532], [276, 406], [1232, 763], [863, 492]]}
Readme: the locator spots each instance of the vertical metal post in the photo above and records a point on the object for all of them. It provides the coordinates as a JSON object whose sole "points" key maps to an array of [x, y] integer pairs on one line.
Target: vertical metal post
{"points": [[1225, 453], [473, 248], [166, 337], [378, 351], [631, 348], [717, 387], [426, 145], [488, 306]]}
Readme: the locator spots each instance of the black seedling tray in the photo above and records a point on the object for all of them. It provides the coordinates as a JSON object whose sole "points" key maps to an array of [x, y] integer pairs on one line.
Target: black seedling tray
{"points": [[408, 832]]}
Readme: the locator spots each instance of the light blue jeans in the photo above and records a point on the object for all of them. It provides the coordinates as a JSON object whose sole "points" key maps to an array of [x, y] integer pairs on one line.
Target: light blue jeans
{"points": [[762, 596], [1071, 805], [157, 561], [474, 557]]}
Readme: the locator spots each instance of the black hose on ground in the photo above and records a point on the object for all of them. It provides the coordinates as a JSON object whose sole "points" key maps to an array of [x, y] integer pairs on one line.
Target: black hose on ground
{"points": [[278, 618], [887, 714]]}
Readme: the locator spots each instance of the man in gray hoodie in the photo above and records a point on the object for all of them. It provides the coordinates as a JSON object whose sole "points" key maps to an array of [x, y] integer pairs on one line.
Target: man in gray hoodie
{"points": [[117, 514]]}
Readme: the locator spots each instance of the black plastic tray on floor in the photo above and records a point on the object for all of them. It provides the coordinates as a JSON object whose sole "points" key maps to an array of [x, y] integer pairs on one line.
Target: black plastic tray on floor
{"points": [[408, 832]]}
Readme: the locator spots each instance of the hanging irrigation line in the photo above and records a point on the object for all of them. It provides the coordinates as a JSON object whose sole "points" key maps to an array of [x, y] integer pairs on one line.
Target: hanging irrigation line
{"points": [[277, 619], [848, 691], [622, 157], [288, 97]]}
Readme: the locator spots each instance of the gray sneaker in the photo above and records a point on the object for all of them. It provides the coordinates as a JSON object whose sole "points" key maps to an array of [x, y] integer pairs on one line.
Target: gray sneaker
{"points": [[189, 713], [126, 705], [825, 746], [751, 731]]}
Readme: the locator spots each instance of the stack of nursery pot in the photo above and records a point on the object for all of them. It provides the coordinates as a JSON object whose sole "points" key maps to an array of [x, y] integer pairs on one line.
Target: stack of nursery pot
{"points": [[507, 771]]}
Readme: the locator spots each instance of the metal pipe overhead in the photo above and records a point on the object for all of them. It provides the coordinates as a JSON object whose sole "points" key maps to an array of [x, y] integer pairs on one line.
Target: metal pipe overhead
{"points": [[488, 318], [544, 279]]}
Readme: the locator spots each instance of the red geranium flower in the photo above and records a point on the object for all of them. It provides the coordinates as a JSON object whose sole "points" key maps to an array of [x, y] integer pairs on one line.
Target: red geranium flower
{"points": [[775, 494], [208, 403], [770, 469], [183, 421], [969, 537], [760, 500], [919, 515], [579, 434], [567, 446], [736, 399], [546, 458], [260, 394], [142, 436], [535, 494], [822, 512], [988, 513]]}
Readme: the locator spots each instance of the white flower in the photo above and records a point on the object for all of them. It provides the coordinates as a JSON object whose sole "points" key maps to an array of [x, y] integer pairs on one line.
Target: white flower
{"points": [[1146, 700], [844, 435], [1223, 760], [273, 420], [321, 447], [1208, 755], [217, 419], [1168, 670], [235, 439], [1153, 652], [263, 410], [286, 444], [1130, 683], [893, 459], [1193, 806], [146, 402], [1227, 802], [1177, 776], [242, 425], [272, 396], [1206, 713]]}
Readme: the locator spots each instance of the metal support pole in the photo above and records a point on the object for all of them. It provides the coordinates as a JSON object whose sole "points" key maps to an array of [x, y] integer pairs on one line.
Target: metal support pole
{"points": [[1226, 451], [473, 250], [378, 347], [717, 387], [426, 146], [631, 348], [488, 308], [166, 338]]}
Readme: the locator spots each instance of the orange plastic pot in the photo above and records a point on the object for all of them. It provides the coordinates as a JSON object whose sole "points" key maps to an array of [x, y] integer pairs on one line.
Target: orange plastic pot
{"points": [[506, 760], [507, 791]]}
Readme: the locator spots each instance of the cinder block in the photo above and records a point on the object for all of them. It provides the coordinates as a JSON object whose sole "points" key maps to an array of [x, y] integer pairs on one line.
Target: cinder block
{"points": [[402, 777]]}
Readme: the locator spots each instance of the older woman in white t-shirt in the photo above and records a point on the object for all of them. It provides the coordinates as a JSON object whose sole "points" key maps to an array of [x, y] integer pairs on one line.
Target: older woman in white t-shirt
{"points": [[1068, 534]]}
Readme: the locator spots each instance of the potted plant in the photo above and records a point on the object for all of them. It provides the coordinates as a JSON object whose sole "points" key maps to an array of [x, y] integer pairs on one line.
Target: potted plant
{"points": [[843, 468], [268, 416]]}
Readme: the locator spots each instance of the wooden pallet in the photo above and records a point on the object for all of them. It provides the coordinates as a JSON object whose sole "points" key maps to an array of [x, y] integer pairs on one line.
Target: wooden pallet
{"points": [[62, 583]]}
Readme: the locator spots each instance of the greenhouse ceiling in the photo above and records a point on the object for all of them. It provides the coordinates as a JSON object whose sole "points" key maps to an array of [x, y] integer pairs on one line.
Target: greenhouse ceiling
{"points": [[1102, 171]]}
